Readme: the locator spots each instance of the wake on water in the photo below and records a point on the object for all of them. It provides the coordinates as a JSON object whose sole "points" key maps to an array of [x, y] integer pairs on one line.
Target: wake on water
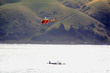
{"points": [[32, 58]]}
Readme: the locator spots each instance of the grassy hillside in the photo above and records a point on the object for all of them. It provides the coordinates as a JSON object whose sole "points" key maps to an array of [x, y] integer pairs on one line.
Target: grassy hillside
{"points": [[99, 10], [2, 2], [75, 4], [17, 22], [20, 22]]}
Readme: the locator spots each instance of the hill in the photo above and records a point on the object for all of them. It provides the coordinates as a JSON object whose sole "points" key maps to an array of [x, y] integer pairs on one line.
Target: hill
{"points": [[20, 22], [99, 10], [17, 22]]}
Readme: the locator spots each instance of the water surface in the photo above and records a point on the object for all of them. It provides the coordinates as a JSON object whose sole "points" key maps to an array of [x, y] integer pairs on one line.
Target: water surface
{"points": [[32, 58]]}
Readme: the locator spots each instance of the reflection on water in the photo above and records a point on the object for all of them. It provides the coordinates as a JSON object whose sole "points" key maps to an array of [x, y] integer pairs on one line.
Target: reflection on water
{"points": [[22, 58]]}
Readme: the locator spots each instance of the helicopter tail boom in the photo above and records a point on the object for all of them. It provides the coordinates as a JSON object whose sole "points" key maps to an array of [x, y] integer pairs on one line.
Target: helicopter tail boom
{"points": [[52, 20]]}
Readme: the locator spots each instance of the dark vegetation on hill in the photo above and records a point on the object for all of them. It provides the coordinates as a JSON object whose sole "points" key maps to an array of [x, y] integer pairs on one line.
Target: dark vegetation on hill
{"points": [[77, 21], [8, 1], [71, 36]]}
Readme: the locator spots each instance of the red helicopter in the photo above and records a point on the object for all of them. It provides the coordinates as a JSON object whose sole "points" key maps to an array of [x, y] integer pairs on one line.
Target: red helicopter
{"points": [[46, 21]]}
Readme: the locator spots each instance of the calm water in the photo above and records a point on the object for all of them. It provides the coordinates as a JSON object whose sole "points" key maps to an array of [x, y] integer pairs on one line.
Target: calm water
{"points": [[22, 58]]}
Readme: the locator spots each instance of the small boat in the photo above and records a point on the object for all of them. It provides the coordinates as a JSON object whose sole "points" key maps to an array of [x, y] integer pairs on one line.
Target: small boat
{"points": [[56, 63]]}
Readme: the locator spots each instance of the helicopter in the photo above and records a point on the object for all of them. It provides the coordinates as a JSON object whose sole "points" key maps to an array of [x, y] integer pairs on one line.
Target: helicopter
{"points": [[46, 20]]}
